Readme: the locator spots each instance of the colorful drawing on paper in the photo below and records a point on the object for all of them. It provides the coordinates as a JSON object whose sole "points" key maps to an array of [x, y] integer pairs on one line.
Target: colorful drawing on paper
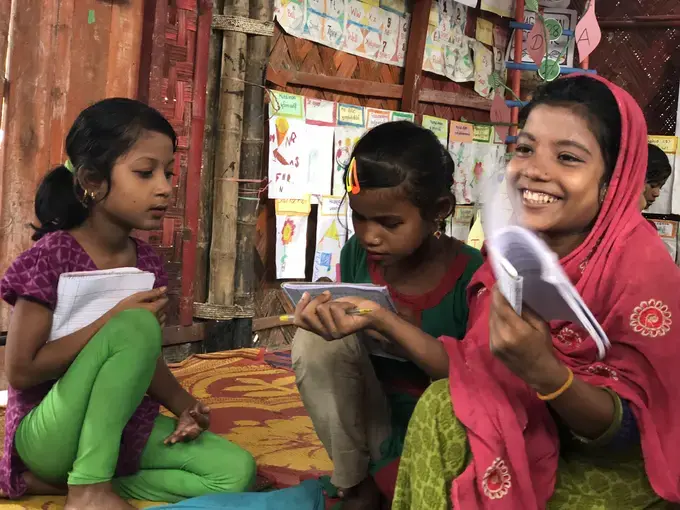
{"points": [[331, 235], [291, 245], [346, 138], [288, 157]]}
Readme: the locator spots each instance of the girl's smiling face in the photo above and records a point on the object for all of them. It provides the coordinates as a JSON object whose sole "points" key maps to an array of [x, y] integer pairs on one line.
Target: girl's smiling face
{"points": [[558, 171]]}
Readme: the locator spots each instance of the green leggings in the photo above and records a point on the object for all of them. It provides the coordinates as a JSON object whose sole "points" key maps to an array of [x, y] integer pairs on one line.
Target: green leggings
{"points": [[74, 434]]}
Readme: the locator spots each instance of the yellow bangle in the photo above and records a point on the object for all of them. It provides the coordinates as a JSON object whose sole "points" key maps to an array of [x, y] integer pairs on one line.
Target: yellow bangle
{"points": [[563, 388]]}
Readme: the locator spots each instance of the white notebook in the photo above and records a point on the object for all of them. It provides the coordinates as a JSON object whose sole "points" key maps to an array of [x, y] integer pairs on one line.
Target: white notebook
{"points": [[376, 293], [528, 271], [84, 297]]}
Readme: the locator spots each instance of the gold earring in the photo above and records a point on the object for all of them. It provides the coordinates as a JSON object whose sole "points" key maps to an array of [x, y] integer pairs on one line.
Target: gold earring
{"points": [[437, 233], [88, 198], [603, 194]]}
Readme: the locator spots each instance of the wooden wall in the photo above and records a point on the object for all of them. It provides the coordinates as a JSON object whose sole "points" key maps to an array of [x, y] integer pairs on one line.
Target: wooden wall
{"points": [[64, 55]]}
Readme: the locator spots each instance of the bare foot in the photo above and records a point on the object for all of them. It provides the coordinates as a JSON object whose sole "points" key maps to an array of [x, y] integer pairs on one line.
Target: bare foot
{"points": [[365, 496], [94, 497]]}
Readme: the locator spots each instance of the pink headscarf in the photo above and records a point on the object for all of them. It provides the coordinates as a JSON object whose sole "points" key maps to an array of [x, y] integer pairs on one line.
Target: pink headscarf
{"points": [[631, 285]]}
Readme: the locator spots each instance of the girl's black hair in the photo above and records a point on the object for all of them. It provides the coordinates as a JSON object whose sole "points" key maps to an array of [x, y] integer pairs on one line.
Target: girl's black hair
{"points": [[404, 154], [590, 99], [101, 134], [658, 167]]}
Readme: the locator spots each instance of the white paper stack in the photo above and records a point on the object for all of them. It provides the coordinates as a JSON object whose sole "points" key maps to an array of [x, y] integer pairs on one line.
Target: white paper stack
{"points": [[83, 297]]}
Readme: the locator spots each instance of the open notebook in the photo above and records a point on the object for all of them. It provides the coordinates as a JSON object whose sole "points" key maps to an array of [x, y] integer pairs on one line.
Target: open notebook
{"points": [[376, 293], [84, 297], [528, 271]]}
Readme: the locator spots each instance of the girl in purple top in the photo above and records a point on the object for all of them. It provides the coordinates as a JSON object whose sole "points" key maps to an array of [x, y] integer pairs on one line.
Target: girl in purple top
{"points": [[82, 414]]}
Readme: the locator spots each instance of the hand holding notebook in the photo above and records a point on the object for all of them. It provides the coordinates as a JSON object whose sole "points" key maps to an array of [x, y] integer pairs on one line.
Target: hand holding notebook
{"points": [[84, 297], [528, 271]]}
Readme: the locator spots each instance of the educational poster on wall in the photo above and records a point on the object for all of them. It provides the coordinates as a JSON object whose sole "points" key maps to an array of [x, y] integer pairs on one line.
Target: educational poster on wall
{"points": [[288, 157], [668, 231], [447, 49], [440, 127], [668, 200], [331, 234], [460, 222], [476, 158], [291, 237], [484, 62], [369, 28], [351, 127], [561, 49], [379, 29]]}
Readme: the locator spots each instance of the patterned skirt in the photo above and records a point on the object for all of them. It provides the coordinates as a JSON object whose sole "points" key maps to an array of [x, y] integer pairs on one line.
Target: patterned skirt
{"points": [[436, 451]]}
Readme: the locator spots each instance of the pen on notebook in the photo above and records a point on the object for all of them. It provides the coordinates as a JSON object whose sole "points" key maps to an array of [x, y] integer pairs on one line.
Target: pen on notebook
{"points": [[356, 311]]}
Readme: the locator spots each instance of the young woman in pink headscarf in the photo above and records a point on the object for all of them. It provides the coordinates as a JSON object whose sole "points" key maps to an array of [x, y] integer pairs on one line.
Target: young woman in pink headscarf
{"points": [[530, 418]]}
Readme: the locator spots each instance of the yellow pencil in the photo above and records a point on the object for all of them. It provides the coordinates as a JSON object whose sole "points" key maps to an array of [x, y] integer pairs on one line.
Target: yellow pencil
{"points": [[356, 311]]}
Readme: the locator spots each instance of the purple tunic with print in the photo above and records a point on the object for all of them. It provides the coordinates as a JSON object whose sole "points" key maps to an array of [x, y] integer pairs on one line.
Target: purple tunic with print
{"points": [[35, 276]]}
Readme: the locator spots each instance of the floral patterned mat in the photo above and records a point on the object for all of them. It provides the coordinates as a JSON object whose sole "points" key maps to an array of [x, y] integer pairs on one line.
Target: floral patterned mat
{"points": [[254, 405]]}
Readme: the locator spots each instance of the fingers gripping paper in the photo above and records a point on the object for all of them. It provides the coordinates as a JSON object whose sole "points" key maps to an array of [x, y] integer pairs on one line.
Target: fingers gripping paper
{"points": [[84, 297]]}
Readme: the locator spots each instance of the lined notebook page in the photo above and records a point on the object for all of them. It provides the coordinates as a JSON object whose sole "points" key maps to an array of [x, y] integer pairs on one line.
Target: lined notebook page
{"points": [[376, 293], [84, 297]]}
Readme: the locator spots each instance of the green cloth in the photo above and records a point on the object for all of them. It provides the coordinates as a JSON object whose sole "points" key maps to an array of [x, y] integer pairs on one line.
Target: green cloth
{"points": [[448, 318], [74, 434], [436, 451]]}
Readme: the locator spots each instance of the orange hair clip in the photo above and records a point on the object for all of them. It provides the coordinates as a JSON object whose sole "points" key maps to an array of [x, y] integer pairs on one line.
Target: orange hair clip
{"points": [[352, 178]]}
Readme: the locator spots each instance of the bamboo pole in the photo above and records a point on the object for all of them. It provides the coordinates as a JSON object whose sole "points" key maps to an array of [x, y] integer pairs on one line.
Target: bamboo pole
{"points": [[252, 148], [208, 163], [227, 161]]}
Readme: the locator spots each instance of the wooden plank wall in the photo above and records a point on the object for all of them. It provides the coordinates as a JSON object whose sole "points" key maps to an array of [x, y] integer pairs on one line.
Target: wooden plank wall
{"points": [[65, 56], [174, 59]]}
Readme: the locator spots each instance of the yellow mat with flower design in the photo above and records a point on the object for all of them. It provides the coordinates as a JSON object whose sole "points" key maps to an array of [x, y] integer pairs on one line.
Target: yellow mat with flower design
{"points": [[255, 405]]}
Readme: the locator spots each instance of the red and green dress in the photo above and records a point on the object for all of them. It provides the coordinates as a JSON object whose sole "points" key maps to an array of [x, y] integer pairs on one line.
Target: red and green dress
{"points": [[443, 311]]}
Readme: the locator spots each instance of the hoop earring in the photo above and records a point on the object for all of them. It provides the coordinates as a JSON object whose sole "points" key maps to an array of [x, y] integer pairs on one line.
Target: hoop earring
{"points": [[88, 198]]}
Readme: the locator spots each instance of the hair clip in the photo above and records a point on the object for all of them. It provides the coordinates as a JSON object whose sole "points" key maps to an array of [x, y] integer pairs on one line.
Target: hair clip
{"points": [[69, 166], [353, 178]]}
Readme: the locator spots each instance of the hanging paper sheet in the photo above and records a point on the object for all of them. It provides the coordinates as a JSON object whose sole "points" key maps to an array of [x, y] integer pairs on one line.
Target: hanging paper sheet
{"points": [[483, 69], [351, 127], [668, 231], [397, 116], [300, 158], [288, 157], [461, 221], [291, 238], [370, 29], [331, 235], [447, 49], [503, 8], [376, 117], [561, 48], [474, 163], [440, 127]]}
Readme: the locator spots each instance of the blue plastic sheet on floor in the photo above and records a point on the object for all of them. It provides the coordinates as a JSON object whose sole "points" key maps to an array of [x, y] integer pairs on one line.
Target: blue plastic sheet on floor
{"points": [[306, 496]]}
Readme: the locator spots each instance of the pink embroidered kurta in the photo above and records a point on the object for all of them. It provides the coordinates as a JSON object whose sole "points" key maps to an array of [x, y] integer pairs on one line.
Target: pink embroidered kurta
{"points": [[35, 276]]}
